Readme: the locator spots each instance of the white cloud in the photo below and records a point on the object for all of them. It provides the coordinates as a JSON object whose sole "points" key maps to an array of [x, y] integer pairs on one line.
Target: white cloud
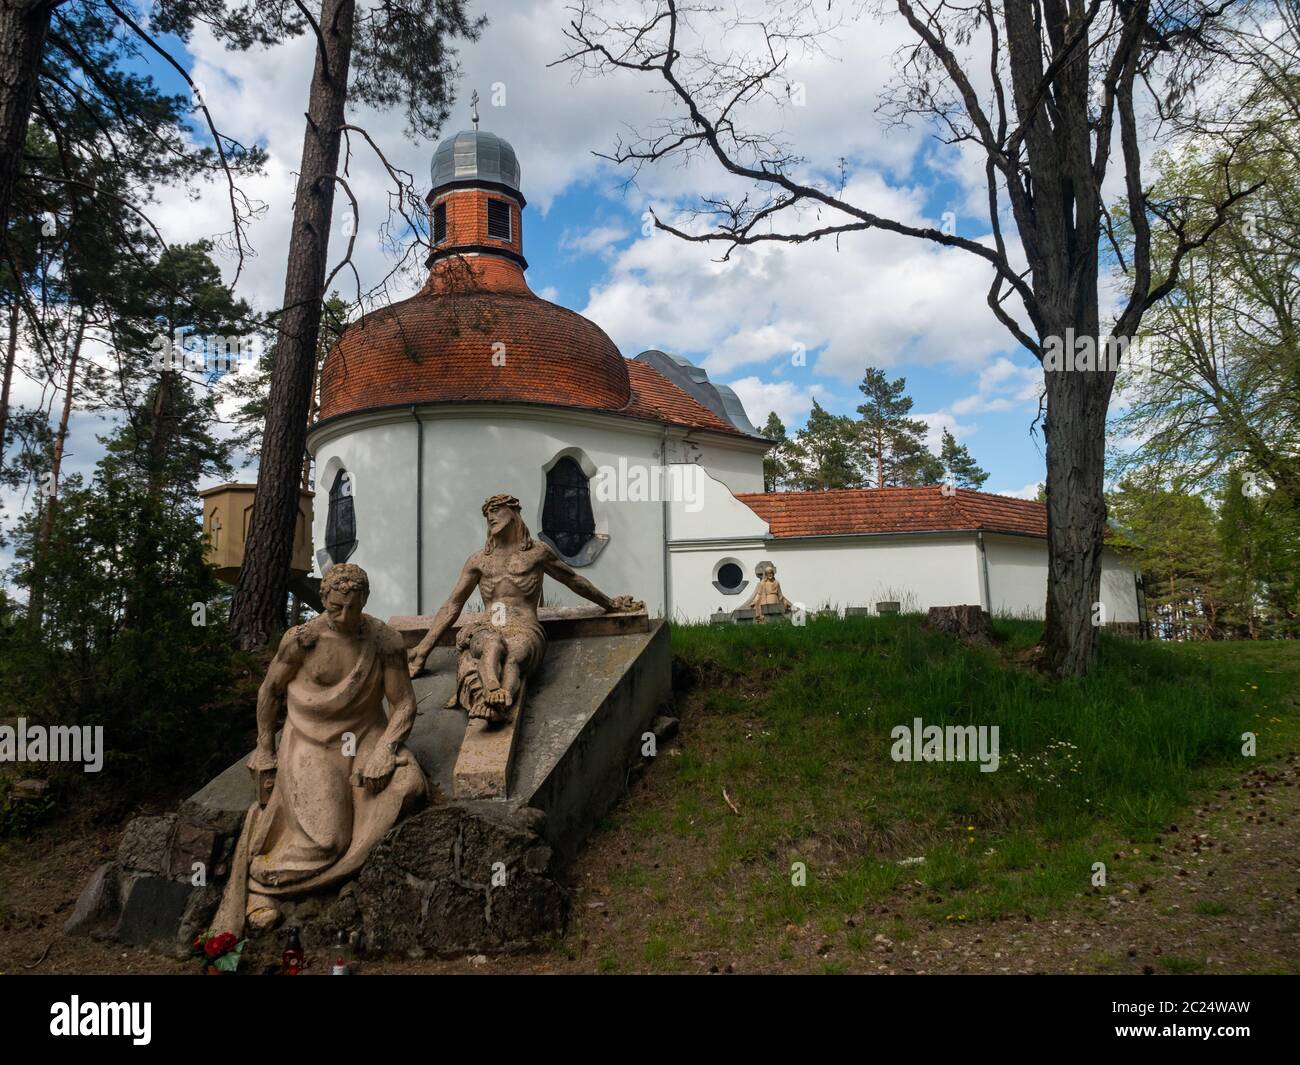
{"points": [[867, 299], [1029, 491], [1003, 385], [599, 240], [790, 402], [936, 422]]}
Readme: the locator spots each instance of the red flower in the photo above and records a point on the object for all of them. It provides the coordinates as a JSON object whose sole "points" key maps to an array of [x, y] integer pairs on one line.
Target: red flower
{"points": [[220, 944]]}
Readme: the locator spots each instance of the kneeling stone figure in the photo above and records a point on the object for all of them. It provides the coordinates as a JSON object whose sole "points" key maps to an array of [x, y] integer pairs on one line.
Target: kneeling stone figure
{"points": [[342, 776]]}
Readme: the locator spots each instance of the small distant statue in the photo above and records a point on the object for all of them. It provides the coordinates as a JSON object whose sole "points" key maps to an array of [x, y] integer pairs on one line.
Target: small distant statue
{"points": [[768, 592], [500, 652], [341, 776]]}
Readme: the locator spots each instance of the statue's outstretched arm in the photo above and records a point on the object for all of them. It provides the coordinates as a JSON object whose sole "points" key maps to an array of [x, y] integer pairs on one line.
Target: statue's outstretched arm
{"points": [[569, 577], [447, 613]]}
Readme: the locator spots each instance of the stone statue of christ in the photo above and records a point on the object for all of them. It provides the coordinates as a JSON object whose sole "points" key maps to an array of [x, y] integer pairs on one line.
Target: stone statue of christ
{"points": [[497, 654]]}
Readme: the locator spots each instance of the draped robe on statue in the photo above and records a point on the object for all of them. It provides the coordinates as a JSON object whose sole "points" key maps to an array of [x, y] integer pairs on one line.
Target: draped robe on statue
{"points": [[318, 825]]}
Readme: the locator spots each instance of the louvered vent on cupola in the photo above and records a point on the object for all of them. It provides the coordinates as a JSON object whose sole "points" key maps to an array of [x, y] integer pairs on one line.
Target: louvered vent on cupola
{"points": [[498, 219]]}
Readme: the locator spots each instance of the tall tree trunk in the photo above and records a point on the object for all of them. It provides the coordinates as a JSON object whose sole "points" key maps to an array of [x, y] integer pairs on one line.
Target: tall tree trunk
{"points": [[313, 404], [11, 357], [258, 607], [1059, 222], [161, 413], [1074, 430], [23, 27], [36, 602]]}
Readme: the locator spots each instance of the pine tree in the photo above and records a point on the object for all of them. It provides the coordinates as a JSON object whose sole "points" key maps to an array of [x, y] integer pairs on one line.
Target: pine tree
{"points": [[776, 463], [892, 445], [958, 464], [403, 56], [822, 455]]}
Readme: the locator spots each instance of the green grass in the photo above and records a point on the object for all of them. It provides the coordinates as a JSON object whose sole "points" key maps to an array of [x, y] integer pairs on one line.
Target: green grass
{"points": [[794, 722], [1182, 965]]}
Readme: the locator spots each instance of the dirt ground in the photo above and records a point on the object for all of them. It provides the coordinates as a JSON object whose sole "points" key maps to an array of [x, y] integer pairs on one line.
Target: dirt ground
{"points": [[1219, 893]]}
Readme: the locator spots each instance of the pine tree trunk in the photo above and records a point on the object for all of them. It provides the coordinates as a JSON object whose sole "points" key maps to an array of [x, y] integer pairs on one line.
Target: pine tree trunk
{"points": [[23, 27], [36, 602], [259, 602], [11, 357], [312, 407], [160, 414]]}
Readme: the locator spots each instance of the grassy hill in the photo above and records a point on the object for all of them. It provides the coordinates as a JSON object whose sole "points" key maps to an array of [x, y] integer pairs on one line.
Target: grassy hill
{"points": [[794, 725]]}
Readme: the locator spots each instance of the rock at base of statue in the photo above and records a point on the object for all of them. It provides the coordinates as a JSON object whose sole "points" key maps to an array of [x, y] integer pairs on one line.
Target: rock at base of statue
{"points": [[458, 879], [743, 616], [887, 606], [857, 611], [158, 892], [970, 624]]}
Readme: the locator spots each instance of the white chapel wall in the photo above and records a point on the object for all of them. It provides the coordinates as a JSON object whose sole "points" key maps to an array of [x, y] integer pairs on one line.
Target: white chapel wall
{"points": [[918, 572], [468, 457], [1018, 579]]}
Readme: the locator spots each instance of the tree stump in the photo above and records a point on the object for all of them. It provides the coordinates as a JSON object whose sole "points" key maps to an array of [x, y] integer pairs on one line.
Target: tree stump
{"points": [[970, 624]]}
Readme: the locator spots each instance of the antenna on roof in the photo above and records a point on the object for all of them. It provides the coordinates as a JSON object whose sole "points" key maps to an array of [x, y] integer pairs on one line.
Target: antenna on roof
{"points": [[473, 108]]}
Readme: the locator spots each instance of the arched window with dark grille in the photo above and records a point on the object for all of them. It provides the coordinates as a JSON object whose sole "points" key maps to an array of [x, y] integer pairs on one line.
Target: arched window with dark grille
{"points": [[567, 519], [341, 521]]}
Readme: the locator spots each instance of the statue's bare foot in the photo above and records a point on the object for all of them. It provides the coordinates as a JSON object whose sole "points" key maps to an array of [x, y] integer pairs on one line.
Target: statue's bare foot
{"points": [[493, 714], [497, 697], [263, 916]]}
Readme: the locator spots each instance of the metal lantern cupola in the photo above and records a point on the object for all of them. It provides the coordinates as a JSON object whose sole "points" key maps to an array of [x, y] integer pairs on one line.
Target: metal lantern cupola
{"points": [[475, 203]]}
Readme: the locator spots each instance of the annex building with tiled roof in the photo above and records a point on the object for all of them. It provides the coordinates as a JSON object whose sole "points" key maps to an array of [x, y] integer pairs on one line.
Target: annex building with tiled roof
{"points": [[640, 472]]}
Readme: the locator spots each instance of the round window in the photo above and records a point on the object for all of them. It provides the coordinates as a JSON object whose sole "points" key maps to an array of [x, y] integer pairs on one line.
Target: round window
{"points": [[730, 575]]}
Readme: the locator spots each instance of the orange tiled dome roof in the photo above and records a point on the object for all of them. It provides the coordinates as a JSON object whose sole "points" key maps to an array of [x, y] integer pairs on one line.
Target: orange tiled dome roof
{"points": [[474, 332], [477, 332]]}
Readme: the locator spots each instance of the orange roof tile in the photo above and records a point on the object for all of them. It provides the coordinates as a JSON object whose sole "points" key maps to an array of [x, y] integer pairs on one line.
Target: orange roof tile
{"points": [[861, 511], [476, 333], [480, 342]]}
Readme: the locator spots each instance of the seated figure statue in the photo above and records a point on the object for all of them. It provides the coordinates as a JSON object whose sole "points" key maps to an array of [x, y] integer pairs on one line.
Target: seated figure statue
{"points": [[498, 653], [341, 776], [767, 593]]}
